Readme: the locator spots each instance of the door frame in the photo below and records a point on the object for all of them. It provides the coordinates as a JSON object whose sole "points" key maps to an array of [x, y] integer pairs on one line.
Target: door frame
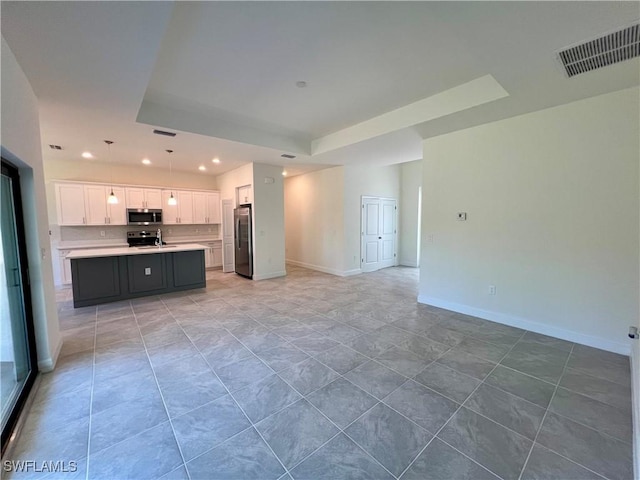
{"points": [[363, 198], [11, 171]]}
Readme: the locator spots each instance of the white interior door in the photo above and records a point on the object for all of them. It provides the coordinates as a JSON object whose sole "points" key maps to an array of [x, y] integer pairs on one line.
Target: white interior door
{"points": [[378, 223], [387, 232], [370, 254], [227, 236]]}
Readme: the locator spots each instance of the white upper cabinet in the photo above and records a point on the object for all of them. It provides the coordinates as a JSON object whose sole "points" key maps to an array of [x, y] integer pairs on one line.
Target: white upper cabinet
{"points": [[117, 213], [180, 213], [70, 204], [185, 207], [143, 197], [199, 207], [86, 204], [245, 195], [213, 207], [98, 211], [95, 197], [206, 207]]}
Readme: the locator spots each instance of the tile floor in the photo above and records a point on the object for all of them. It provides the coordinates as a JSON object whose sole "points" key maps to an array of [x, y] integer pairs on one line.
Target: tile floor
{"points": [[319, 377]]}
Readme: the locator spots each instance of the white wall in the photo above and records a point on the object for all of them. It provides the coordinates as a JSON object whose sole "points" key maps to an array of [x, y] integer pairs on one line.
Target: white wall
{"points": [[21, 145], [552, 202], [314, 219], [359, 181], [409, 221], [268, 222]]}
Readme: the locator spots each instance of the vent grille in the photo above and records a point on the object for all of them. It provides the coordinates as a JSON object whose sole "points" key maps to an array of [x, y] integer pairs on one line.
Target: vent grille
{"points": [[287, 155], [166, 134], [606, 50], [55, 147]]}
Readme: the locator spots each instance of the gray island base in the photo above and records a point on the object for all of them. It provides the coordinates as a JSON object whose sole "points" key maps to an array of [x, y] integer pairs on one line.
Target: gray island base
{"points": [[109, 275]]}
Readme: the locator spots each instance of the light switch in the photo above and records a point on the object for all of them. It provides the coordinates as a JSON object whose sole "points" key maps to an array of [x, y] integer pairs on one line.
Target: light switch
{"points": [[462, 216], [147, 271]]}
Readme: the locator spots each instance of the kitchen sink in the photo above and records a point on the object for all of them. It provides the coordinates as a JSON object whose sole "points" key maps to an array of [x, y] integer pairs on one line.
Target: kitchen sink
{"points": [[147, 247]]}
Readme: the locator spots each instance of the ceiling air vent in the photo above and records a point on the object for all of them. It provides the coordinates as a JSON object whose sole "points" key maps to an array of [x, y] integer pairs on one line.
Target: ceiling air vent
{"points": [[287, 155], [166, 134], [606, 50], [55, 147]]}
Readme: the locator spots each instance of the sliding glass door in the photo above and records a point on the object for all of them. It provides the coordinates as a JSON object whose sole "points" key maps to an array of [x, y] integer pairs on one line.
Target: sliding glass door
{"points": [[18, 365]]}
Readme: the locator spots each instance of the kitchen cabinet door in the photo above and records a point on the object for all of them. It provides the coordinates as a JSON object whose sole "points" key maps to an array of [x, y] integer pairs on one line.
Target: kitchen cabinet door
{"points": [[95, 198], [200, 213], [134, 197], [153, 198], [213, 207], [169, 212], [70, 204], [217, 255], [185, 207], [117, 213]]}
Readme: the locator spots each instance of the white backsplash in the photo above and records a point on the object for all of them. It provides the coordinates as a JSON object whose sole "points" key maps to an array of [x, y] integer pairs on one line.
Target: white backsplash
{"points": [[111, 232]]}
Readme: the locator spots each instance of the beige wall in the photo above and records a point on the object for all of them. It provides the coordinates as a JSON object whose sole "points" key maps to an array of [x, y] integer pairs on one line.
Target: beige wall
{"points": [[358, 182], [314, 219], [409, 221], [21, 146], [552, 220], [323, 214]]}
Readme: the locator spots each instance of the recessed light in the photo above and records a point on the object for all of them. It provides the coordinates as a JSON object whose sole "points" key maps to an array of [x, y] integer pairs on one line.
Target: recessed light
{"points": [[284, 173], [215, 160], [301, 84], [87, 155], [202, 168], [146, 161]]}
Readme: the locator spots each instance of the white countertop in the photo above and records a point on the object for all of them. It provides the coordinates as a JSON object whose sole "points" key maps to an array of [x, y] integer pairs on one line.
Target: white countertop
{"points": [[123, 251]]}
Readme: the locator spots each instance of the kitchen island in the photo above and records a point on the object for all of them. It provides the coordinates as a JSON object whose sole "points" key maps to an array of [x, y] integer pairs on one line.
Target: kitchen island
{"points": [[102, 275]]}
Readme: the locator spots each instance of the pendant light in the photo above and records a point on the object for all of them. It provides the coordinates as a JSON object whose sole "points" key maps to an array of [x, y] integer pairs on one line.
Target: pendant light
{"points": [[112, 199], [172, 200]]}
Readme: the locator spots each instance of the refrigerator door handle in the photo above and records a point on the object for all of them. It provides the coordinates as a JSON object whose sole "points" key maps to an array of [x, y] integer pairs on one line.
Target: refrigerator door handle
{"points": [[238, 233]]}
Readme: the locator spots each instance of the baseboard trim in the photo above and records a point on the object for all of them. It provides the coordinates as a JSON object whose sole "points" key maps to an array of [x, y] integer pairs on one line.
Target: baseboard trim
{"points": [[267, 276], [331, 271], [569, 335], [407, 263], [48, 364], [635, 404]]}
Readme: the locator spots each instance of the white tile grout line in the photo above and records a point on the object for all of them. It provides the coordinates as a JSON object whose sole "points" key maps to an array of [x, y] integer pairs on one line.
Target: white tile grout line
{"points": [[288, 341], [230, 395], [164, 403], [458, 409], [544, 418], [93, 377]]}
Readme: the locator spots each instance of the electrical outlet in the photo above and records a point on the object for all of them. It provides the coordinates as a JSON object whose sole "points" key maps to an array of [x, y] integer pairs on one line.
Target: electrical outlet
{"points": [[102, 233], [197, 230], [169, 230], [430, 238], [492, 289]]}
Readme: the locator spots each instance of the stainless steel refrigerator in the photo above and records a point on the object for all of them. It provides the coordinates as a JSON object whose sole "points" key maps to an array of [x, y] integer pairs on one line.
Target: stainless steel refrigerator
{"points": [[243, 247]]}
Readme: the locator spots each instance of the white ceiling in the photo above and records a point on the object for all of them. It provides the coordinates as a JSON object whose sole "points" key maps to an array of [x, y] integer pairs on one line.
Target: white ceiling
{"points": [[223, 74]]}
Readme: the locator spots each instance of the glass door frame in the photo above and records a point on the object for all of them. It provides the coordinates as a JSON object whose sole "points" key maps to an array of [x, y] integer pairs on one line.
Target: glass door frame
{"points": [[11, 171]]}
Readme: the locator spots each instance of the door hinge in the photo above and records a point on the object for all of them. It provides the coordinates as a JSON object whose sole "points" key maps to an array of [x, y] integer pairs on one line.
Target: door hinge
{"points": [[362, 261], [394, 255]]}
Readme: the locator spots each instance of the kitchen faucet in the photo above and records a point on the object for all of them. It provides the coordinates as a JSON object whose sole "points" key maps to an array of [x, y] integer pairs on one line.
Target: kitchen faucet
{"points": [[158, 242]]}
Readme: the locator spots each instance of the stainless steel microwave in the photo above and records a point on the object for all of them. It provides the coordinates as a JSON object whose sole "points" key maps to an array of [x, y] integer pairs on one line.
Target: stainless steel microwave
{"points": [[144, 216]]}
